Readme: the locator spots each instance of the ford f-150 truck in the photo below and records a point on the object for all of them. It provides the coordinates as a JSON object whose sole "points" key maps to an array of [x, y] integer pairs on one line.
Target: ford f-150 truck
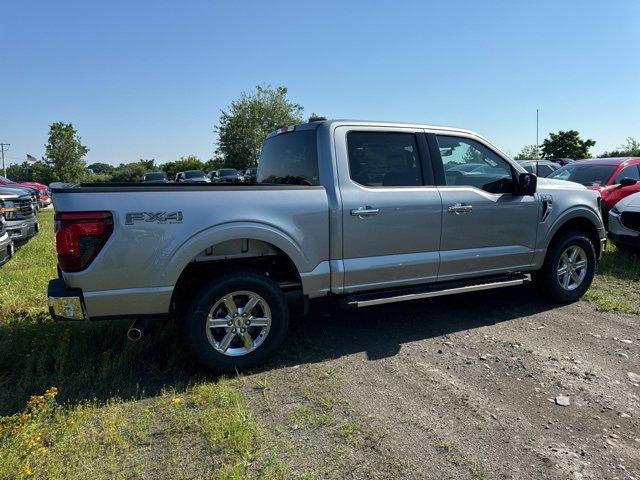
{"points": [[359, 212]]}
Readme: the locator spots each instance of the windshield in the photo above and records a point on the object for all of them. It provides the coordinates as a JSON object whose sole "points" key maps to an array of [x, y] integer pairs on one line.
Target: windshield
{"points": [[228, 172], [584, 173], [194, 174], [155, 176]]}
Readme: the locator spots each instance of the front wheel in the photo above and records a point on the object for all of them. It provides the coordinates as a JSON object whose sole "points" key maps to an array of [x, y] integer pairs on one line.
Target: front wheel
{"points": [[236, 321], [569, 268]]}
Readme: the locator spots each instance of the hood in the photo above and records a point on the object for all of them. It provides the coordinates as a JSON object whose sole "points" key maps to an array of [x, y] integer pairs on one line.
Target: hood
{"points": [[35, 185], [554, 184], [9, 196], [20, 191], [630, 202]]}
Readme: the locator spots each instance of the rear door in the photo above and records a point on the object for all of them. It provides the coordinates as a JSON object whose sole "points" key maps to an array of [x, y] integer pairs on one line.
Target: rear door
{"points": [[391, 210], [486, 228]]}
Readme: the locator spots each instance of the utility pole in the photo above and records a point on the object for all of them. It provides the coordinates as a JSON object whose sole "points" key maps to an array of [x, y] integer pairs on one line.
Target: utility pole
{"points": [[2, 145], [537, 123]]}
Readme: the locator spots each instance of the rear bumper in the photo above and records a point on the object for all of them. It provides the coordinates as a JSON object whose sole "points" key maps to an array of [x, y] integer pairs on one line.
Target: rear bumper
{"points": [[65, 303], [6, 248], [22, 230]]}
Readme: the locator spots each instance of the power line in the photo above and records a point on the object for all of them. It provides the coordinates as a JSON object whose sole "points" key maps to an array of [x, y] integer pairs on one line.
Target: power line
{"points": [[2, 145]]}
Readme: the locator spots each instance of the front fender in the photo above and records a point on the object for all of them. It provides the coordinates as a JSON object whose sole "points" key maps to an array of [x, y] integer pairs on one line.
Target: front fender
{"points": [[569, 214]]}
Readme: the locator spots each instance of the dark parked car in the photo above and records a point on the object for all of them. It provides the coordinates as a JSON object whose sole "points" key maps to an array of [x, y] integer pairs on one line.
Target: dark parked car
{"points": [[192, 176], [155, 177], [19, 213], [40, 191], [542, 168], [225, 175], [6, 242], [250, 175]]}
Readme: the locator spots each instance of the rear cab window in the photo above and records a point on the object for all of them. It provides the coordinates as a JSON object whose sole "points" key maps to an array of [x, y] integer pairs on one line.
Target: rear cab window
{"points": [[289, 158], [384, 159]]}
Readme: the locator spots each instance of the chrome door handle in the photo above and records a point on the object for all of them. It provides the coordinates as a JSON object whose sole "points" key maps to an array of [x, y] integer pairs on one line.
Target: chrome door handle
{"points": [[459, 208], [365, 211]]}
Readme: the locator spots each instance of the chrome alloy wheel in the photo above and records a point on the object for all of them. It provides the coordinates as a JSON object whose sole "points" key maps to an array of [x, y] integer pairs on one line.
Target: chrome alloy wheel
{"points": [[572, 267], [238, 323]]}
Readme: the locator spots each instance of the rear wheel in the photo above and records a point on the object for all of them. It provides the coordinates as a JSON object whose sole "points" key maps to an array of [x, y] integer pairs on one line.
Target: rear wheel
{"points": [[569, 267], [236, 321]]}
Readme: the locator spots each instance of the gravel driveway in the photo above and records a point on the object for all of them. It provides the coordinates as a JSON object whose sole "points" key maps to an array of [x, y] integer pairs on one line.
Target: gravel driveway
{"points": [[488, 385]]}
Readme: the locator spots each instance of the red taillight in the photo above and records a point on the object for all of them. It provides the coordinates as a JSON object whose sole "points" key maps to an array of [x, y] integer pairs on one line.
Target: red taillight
{"points": [[80, 236]]}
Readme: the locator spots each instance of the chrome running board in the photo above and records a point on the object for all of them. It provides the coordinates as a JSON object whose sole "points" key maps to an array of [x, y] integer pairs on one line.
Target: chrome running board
{"points": [[366, 300]]}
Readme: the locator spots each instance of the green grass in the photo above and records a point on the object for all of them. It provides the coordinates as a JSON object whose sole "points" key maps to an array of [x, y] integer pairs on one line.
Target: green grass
{"points": [[118, 410], [615, 287], [122, 410]]}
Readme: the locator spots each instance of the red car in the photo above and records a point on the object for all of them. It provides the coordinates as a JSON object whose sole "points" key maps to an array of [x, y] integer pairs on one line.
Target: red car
{"points": [[43, 190], [614, 178]]}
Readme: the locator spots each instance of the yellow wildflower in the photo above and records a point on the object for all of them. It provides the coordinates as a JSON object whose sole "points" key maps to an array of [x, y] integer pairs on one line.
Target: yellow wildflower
{"points": [[42, 450], [52, 392], [176, 401]]}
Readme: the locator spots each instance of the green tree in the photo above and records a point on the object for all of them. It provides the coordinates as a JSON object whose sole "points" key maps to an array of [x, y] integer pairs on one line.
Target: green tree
{"points": [[528, 152], [30, 172], [629, 149], [130, 172], [190, 162], [20, 172], [100, 168], [566, 145], [65, 153], [248, 120], [149, 164]]}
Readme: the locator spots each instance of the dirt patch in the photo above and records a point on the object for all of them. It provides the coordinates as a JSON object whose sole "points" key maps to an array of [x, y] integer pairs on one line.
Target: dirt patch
{"points": [[465, 387]]}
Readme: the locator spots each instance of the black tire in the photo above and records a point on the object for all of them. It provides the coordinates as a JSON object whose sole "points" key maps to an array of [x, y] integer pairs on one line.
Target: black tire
{"points": [[205, 299], [548, 279]]}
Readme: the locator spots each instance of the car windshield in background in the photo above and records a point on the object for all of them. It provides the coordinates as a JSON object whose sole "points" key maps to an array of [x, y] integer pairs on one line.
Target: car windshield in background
{"points": [[289, 158], [194, 174], [582, 172], [228, 172], [5, 179], [155, 176]]}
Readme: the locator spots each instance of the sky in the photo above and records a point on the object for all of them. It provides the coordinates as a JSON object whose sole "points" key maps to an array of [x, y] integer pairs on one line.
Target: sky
{"points": [[142, 79]]}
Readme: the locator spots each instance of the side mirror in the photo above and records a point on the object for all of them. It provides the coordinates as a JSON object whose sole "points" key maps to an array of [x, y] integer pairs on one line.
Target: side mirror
{"points": [[527, 184], [627, 182]]}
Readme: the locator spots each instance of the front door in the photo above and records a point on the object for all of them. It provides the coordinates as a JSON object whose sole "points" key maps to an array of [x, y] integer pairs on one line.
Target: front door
{"points": [[391, 210], [486, 228]]}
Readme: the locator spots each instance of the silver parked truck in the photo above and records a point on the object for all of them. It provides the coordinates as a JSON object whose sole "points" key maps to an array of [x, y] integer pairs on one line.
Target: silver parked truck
{"points": [[361, 213]]}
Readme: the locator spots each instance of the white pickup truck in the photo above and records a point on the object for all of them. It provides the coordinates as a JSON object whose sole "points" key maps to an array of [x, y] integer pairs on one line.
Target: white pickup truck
{"points": [[359, 212]]}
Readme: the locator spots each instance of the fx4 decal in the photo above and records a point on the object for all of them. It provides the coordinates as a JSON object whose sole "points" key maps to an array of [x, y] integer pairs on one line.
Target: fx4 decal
{"points": [[156, 217]]}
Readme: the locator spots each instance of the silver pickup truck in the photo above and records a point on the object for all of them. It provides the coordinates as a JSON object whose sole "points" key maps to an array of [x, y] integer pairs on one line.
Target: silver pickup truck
{"points": [[361, 213]]}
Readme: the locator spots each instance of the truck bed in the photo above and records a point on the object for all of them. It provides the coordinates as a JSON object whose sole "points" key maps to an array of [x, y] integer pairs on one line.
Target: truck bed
{"points": [[158, 229]]}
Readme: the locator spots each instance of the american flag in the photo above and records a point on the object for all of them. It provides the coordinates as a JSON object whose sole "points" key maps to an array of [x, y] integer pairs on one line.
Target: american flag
{"points": [[31, 158]]}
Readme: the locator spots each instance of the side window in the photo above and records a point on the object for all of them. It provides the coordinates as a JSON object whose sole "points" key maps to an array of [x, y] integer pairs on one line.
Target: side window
{"points": [[384, 159], [467, 162], [629, 172]]}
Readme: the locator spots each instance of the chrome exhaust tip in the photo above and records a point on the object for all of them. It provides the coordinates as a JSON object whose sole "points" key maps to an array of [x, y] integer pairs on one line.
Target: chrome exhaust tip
{"points": [[136, 330]]}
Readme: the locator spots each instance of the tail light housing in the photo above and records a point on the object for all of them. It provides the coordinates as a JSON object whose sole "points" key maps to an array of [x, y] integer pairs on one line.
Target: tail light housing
{"points": [[80, 236]]}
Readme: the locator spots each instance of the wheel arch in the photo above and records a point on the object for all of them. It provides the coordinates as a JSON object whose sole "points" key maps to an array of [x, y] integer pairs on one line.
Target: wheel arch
{"points": [[581, 220], [226, 248]]}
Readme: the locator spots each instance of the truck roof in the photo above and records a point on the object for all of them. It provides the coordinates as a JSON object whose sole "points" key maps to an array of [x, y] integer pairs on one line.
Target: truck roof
{"points": [[329, 124], [380, 123]]}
